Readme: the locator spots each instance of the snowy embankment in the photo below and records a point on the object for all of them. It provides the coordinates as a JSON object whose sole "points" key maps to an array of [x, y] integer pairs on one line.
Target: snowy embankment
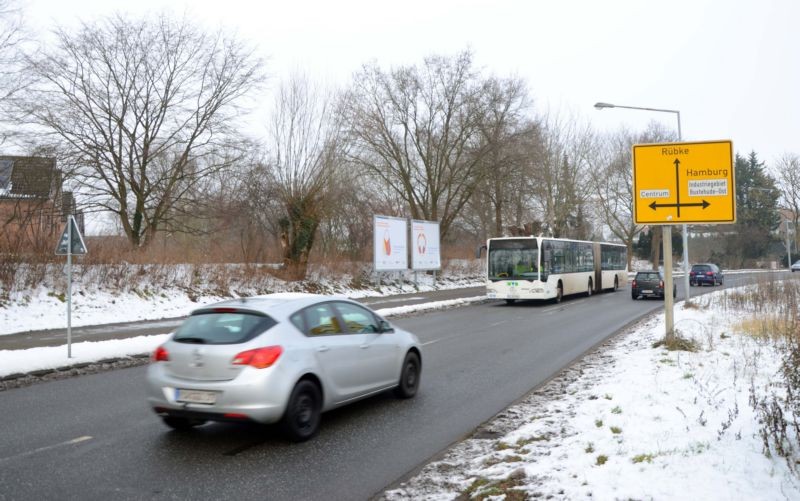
{"points": [[141, 298]]}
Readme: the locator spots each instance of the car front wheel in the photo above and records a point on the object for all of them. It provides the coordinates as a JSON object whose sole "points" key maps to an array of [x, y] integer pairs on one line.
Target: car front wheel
{"points": [[409, 376], [303, 413]]}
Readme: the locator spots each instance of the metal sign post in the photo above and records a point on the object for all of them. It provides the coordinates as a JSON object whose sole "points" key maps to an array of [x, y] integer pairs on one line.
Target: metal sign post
{"points": [[71, 242], [69, 291]]}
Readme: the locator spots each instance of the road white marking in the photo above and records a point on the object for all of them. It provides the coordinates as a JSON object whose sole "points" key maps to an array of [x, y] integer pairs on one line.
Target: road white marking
{"points": [[434, 341], [47, 448], [397, 300]]}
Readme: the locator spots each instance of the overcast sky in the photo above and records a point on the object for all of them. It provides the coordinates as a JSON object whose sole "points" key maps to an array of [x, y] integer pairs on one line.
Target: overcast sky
{"points": [[732, 68]]}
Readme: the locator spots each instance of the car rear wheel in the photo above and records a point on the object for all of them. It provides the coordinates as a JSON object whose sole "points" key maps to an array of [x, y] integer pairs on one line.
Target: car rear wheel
{"points": [[409, 376], [181, 423], [303, 412]]}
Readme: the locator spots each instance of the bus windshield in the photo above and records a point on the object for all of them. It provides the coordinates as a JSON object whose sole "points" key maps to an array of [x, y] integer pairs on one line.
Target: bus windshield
{"points": [[513, 259]]}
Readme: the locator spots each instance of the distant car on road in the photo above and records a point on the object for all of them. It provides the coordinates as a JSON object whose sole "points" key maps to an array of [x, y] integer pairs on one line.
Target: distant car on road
{"points": [[650, 284], [706, 273], [279, 358], [796, 266]]}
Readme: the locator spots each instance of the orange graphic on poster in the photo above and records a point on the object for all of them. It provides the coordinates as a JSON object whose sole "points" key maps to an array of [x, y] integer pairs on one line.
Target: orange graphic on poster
{"points": [[387, 244], [422, 243]]}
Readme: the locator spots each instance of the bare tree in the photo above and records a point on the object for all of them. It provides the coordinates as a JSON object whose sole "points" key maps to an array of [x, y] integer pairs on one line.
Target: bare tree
{"points": [[305, 152], [612, 181], [138, 108], [559, 174], [787, 177], [509, 135], [418, 130], [12, 38]]}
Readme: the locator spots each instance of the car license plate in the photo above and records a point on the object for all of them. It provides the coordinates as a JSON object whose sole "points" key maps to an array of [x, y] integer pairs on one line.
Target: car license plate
{"points": [[647, 292], [195, 396], [491, 294]]}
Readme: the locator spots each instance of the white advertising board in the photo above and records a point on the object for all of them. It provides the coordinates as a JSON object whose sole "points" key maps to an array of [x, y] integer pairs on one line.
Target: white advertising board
{"points": [[390, 243], [425, 245]]}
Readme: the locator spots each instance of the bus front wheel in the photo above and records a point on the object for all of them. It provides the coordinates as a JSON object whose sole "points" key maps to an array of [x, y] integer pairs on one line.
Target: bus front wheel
{"points": [[559, 293], [589, 289]]}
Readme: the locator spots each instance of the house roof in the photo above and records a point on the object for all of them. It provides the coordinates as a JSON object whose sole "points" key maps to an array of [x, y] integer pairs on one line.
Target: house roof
{"points": [[28, 177]]}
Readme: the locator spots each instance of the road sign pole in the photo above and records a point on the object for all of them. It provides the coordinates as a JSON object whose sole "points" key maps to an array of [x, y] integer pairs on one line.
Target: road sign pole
{"points": [[669, 303], [69, 288]]}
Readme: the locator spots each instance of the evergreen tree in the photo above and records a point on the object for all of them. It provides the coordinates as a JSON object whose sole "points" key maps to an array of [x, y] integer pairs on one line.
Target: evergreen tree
{"points": [[757, 215]]}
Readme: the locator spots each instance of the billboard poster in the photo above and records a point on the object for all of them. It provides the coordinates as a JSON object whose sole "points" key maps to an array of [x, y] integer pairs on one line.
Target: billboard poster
{"points": [[425, 245], [390, 243]]}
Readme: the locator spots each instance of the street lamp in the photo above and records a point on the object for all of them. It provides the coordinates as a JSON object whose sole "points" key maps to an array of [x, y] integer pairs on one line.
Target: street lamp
{"points": [[601, 106]]}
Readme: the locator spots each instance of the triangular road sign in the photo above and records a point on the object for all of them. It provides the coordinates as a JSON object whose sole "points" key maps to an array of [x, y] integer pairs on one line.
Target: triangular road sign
{"points": [[77, 247]]}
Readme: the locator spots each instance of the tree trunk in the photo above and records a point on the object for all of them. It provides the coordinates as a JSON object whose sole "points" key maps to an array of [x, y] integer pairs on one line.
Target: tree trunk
{"points": [[297, 238], [655, 246]]}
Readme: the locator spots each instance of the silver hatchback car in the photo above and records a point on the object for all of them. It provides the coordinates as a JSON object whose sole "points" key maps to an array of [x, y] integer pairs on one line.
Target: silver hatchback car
{"points": [[279, 358]]}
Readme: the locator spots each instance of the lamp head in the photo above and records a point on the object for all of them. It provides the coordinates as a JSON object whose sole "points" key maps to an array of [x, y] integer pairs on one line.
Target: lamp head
{"points": [[600, 106]]}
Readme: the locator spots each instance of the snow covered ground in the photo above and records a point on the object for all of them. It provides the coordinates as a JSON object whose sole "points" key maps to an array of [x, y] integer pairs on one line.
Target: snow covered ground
{"points": [[630, 421]]}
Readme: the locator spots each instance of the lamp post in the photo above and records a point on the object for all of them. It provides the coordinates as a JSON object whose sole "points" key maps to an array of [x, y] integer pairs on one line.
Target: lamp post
{"points": [[601, 106], [788, 245]]}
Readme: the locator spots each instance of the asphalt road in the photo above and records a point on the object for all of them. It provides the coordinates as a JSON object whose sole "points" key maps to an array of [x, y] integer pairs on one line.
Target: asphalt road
{"points": [[93, 437]]}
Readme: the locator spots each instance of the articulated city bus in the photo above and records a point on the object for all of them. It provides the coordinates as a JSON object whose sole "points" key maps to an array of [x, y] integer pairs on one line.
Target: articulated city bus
{"points": [[550, 268]]}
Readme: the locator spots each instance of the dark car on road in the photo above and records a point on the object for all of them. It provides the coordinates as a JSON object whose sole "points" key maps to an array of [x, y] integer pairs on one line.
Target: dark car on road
{"points": [[650, 284], [705, 273]]}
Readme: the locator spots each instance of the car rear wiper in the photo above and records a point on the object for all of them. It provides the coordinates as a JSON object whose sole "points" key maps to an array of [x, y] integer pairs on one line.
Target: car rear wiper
{"points": [[189, 339]]}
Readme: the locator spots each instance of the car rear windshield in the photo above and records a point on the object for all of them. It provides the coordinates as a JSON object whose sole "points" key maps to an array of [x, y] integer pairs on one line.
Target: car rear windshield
{"points": [[701, 267], [222, 328], [648, 276]]}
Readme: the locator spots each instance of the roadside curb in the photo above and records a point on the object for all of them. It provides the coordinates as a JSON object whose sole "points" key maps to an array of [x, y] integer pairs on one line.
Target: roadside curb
{"points": [[22, 379]]}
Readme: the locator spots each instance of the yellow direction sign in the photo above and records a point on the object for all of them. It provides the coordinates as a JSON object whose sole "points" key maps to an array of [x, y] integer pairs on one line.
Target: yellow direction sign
{"points": [[680, 183]]}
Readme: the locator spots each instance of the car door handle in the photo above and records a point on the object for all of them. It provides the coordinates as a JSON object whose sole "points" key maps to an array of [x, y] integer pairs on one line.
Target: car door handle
{"points": [[323, 348]]}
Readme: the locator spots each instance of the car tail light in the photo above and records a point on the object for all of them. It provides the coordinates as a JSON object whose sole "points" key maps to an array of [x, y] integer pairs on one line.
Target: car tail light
{"points": [[709, 273], [661, 284], [633, 284], [161, 355], [260, 358], [692, 273]]}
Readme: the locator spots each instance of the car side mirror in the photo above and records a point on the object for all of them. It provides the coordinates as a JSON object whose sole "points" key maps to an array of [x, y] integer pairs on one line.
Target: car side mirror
{"points": [[385, 326]]}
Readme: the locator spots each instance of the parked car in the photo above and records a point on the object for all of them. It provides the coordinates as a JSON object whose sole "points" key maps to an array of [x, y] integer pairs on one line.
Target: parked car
{"points": [[650, 284], [796, 266], [283, 358], [705, 273]]}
